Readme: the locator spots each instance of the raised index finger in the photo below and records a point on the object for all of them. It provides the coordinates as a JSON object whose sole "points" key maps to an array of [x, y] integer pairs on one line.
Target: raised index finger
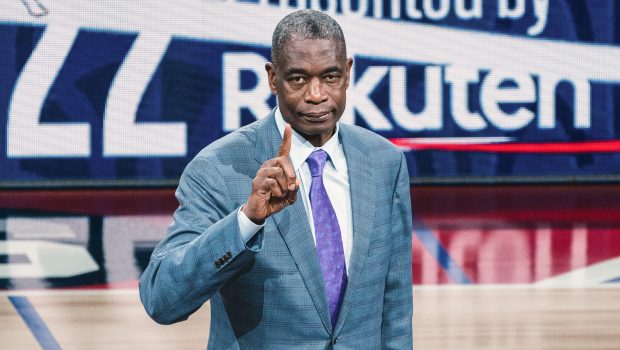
{"points": [[285, 146]]}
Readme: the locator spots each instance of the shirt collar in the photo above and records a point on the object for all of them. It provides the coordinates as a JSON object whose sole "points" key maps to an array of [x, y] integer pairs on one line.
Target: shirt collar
{"points": [[302, 148]]}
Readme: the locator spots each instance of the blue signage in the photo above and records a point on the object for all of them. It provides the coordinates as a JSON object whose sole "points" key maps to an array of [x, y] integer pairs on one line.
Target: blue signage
{"points": [[472, 91]]}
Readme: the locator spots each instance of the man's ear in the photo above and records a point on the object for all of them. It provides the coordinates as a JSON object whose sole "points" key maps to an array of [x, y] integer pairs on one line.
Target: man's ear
{"points": [[347, 68], [271, 77]]}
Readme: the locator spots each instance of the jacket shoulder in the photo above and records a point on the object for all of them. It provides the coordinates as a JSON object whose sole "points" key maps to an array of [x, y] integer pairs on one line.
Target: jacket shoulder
{"points": [[376, 144], [240, 143]]}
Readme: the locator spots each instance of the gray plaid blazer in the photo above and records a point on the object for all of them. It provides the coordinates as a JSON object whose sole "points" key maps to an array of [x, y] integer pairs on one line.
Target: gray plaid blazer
{"points": [[269, 293]]}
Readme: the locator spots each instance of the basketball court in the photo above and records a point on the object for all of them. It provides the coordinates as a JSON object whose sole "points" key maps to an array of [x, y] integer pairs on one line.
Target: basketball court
{"points": [[510, 267]]}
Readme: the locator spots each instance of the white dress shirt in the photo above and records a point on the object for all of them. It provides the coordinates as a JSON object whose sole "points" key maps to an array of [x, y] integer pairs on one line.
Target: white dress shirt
{"points": [[335, 179]]}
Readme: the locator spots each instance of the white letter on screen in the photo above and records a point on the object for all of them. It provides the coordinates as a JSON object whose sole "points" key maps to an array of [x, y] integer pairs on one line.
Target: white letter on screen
{"points": [[412, 10], [430, 117], [234, 98], [491, 95], [541, 10], [505, 11], [358, 98], [122, 135], [26, 136], [475, 10], [547, 101], [439, 13], [460, 78]]}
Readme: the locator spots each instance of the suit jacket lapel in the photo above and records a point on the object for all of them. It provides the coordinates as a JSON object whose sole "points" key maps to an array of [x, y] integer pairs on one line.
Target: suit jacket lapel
{"points": [[292, 223], [362, 184]]}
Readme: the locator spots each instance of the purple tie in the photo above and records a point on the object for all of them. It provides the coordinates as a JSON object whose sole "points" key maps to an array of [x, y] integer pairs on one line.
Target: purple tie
{"points": [[328, 239]]}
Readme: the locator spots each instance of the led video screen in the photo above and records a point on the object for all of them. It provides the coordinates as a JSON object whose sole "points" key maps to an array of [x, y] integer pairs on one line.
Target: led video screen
{"points": [[127, 92]]}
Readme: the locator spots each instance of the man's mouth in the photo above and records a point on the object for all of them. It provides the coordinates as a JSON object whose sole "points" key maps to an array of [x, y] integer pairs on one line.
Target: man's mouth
{"points": [[317, 116]]}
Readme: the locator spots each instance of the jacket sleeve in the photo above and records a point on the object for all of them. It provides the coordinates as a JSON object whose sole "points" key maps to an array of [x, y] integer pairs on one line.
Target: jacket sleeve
{"points": [[202, 251], [396, 327]]}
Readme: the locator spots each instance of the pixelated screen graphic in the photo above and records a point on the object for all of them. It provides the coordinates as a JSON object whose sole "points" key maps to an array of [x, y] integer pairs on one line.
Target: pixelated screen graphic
{"points": [[127, 92]]}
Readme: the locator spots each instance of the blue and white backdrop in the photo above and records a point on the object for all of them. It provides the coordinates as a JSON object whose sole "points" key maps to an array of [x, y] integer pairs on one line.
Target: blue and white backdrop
{"points": [[123, 92]]}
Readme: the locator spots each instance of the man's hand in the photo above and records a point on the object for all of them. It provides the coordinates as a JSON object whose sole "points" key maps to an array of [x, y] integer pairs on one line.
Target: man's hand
{"points": [[275, 185]]}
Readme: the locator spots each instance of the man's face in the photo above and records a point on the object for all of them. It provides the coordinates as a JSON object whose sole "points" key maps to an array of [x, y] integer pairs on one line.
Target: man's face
{"points": [[311, 80]]}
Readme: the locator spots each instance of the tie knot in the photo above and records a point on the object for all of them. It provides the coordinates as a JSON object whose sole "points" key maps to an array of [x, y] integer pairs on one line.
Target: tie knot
{"points": [[316, 162]]}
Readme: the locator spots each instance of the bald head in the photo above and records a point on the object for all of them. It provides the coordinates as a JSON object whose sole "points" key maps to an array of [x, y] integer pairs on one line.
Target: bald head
{"points": [[306, 24]]}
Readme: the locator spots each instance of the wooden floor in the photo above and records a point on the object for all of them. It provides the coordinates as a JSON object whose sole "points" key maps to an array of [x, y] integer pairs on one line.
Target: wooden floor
{"points": [[445, 318], [501, 318]]}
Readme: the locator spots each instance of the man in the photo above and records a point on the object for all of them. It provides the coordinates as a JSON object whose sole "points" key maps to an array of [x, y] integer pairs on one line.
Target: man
{"points": [[295, 227]]}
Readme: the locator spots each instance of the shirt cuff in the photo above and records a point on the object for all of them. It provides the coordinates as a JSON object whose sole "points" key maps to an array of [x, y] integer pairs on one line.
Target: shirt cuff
{"points": [[246, 226]]}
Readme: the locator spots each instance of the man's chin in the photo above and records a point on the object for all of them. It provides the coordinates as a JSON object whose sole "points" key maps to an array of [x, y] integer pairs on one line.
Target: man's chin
{"points": [[310, 132], [317, 128]]}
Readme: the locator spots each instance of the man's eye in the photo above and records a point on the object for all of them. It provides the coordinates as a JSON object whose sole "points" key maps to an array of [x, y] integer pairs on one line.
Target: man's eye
{"points": [[330, 78], [297, 80]]}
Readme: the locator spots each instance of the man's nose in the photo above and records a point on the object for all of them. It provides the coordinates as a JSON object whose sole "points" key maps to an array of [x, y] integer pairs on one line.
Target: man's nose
{"points": [[315, 92]]}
